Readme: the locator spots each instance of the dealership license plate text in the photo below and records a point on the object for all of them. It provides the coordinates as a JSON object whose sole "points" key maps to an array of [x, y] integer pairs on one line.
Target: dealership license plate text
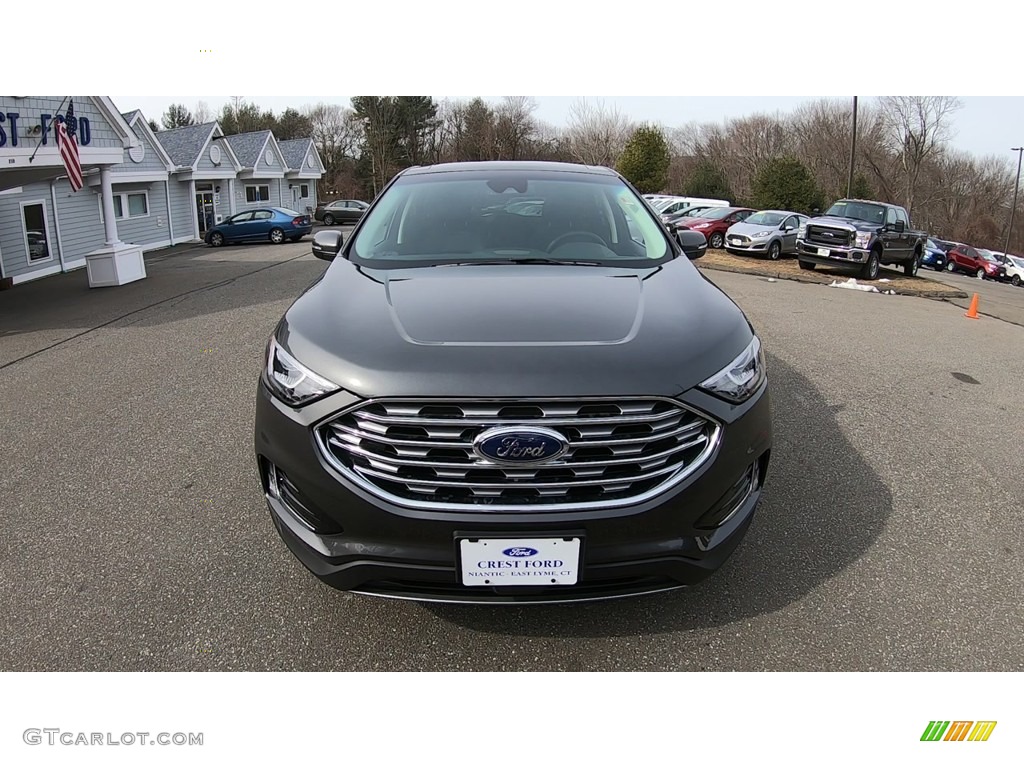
{"points": [[519, 562]]}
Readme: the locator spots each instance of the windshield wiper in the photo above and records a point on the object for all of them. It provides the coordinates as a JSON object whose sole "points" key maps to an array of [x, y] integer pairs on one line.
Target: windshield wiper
{"points": [[530, 260]]}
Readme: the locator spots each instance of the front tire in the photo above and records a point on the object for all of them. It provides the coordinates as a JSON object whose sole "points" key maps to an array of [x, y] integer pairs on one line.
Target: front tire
{"points": [[950, 266], [328, 220], [1015, 281], [871, 269], [774, 251], [980, 274], [216, 239], [910, 270], [277, 236], [716, 240]]}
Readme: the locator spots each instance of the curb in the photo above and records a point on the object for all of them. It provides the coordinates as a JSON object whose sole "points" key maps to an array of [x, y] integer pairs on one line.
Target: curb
{"points": [[795, 279]]}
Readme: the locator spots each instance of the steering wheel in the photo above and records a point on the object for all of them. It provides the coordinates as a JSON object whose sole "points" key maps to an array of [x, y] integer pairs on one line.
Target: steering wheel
{"points": [[587, 237]]}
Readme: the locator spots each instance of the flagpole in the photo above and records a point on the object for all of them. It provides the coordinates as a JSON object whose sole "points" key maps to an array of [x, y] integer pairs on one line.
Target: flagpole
{"points": [[45, 129]]}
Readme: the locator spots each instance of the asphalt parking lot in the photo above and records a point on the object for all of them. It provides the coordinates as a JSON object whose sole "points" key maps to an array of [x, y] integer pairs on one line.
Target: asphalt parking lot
{"points": [[995, 299], [136, 537]]}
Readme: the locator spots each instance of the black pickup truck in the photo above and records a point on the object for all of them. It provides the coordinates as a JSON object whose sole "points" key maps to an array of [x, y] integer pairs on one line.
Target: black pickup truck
{"points": [[861, 234]]}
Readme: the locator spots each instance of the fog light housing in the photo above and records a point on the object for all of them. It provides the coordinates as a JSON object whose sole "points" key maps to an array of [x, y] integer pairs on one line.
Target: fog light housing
{"points": [[732, 500], [282, 490]]}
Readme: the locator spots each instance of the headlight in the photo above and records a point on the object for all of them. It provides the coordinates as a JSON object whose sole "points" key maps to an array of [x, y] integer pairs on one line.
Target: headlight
{"points": [[862, 240], [740, 378], [291, 381], [801, 232], [762, 234]]}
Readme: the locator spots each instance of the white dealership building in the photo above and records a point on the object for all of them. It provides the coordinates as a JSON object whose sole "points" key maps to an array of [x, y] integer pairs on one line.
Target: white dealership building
{"points": [[162, 188]]}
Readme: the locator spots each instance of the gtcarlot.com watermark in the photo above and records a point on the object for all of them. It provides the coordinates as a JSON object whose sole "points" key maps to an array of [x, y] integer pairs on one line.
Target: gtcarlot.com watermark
{"points": [[57, 737]]}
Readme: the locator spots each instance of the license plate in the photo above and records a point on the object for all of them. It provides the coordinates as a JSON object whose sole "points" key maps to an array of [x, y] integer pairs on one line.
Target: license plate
{"points": [[824, 252], [736, 241], [519, 562]]}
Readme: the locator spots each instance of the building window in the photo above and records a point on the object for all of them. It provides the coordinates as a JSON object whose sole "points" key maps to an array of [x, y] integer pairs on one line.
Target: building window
{"points": [[305, 190], [128, 205], [259, 193]]}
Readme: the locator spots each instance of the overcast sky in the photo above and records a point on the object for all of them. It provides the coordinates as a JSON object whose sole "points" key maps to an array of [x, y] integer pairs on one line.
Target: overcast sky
{"points": [[985, 125]]}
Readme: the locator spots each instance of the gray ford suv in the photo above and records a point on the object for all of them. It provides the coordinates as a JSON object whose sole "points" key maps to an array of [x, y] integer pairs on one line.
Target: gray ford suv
{"points": [[511, 385]]}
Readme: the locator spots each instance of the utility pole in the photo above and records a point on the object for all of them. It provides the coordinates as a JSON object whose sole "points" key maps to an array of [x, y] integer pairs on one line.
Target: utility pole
{"points": [[853, 149], [1016, 186]]}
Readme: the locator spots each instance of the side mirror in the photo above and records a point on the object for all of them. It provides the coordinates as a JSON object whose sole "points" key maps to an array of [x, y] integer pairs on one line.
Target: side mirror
{"points": [[693, 243], [327, 244], [815, 211], [901, 227]]}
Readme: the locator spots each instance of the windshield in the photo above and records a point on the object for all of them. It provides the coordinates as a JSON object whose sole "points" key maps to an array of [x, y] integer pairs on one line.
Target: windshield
{"points": [[766, 218], [861, 211], [508, 216], [1017, 260], [715, 213], [289, 212], [661, 205]]}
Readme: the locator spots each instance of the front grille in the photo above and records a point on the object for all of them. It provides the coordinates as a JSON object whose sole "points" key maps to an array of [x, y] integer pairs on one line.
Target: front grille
{"points": [[738, 239], [829, 236], [420, 453]]}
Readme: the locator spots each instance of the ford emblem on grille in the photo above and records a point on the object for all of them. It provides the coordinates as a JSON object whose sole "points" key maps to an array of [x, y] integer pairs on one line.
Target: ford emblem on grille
{"points": [[519, 445]]}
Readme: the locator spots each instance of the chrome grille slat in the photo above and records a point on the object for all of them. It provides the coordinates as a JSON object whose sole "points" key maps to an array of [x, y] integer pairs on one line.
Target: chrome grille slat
{"points": [[420, 453], [567, 485], [469, 464], [521, 422]]}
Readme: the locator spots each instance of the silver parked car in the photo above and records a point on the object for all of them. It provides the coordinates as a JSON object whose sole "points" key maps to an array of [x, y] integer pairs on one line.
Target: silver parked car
{"points": [[769, 233]]}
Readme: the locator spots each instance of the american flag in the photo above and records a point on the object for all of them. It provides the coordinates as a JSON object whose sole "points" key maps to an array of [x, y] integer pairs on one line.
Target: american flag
{"points": [[68, 146]]}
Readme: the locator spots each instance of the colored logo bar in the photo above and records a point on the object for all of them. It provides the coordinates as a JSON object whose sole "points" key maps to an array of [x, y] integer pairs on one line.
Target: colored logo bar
{"points": [[958, 730]]}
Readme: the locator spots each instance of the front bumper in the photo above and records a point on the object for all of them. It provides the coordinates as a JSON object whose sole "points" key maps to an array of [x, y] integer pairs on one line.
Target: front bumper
{"points": [[746, 246], [820, 254], [362, 544]]}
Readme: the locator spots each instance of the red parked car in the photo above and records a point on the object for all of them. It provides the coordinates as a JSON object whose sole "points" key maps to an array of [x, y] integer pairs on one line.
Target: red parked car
{"points": [[713, 223], [964, 258]]}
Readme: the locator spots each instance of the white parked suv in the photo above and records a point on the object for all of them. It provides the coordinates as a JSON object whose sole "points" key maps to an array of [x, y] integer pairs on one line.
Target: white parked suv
{"points": [[1014, 269]]}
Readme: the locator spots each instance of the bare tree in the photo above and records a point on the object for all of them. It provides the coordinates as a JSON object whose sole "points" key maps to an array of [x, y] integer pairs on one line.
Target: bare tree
{"points": [[596, 132], [514, 125], [916, 128], [757, 139], [202, 112], [337, 135]]}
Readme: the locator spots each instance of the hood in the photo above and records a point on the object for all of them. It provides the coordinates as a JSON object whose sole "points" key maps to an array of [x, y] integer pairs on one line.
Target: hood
{"points": [[515, 330], [743, 228], [692, 222], [843, 222]]}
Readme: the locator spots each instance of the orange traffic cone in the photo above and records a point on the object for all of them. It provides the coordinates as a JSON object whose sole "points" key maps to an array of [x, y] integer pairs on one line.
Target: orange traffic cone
{"points": [[973, 311]]}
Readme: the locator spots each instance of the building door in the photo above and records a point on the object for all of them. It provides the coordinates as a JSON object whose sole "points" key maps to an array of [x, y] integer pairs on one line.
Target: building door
{"points": [[204, 210], [34, 226]]}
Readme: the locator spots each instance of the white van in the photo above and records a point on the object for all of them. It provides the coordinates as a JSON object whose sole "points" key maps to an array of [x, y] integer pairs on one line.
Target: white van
{"points": [[682, 203]]}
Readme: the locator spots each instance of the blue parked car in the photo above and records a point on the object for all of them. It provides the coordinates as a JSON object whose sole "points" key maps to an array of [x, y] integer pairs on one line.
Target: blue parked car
{"points": [[935, 254], [262, 225]]}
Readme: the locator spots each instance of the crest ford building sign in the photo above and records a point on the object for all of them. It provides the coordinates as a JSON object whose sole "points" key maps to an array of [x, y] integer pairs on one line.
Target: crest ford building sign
{"points": [[37, 129]]}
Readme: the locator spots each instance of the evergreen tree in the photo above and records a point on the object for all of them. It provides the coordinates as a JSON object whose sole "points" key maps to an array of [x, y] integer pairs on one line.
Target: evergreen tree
{"points": [[176, 116], [784, 183], [708, 180], [645, 159]]}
